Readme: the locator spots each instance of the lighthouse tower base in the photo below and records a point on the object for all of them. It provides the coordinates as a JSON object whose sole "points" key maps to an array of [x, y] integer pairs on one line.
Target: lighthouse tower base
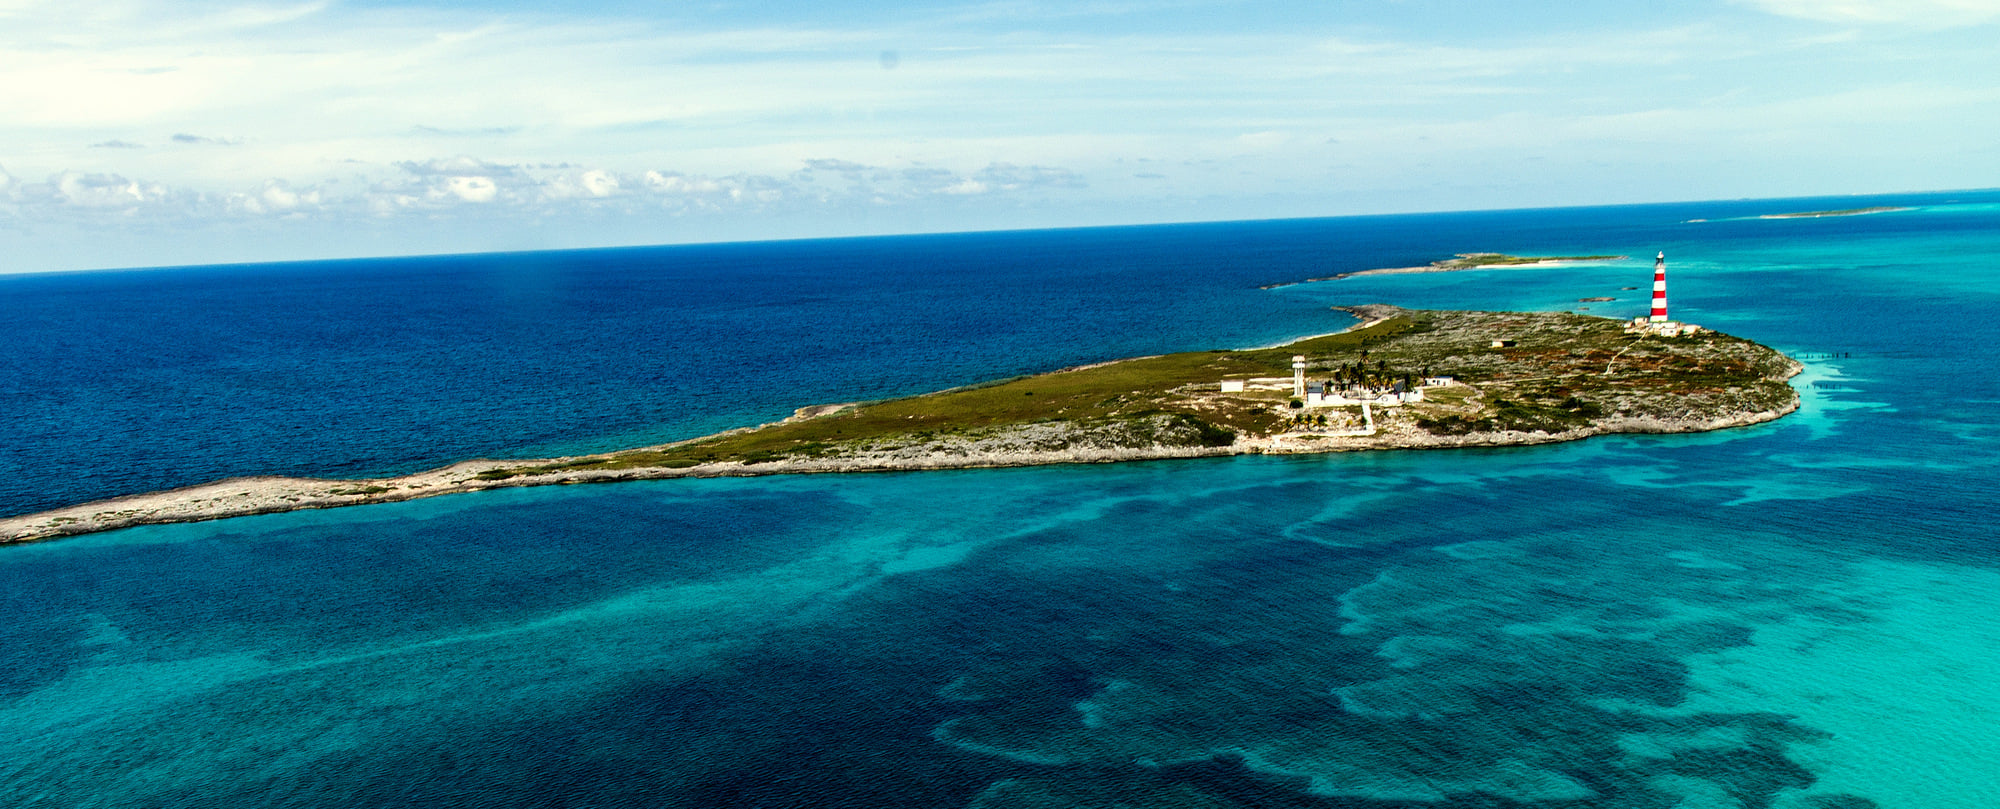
{"points": [[1669, 328]]}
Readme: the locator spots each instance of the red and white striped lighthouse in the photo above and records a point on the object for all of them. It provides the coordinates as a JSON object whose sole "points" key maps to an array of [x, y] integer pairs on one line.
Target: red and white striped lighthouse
{"points": [[1660, 288]]}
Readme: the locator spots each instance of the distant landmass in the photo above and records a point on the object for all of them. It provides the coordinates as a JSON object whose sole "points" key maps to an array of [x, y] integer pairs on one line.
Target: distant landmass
{"points": [[1840, 212], [1462, 261]]}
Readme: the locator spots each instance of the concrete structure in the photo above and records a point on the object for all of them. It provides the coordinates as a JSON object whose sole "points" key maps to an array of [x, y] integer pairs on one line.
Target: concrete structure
{"points": [[1319, 394], [1640, 325], [1367, 424]]}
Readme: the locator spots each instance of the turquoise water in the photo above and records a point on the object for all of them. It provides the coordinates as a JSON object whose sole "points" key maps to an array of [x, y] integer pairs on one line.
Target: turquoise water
{"points": [[1792, 615]]}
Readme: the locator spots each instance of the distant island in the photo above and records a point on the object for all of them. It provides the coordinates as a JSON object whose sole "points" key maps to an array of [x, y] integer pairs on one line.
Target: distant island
{"points": [[1840, 212], [1462, 261], [1399, 379]]}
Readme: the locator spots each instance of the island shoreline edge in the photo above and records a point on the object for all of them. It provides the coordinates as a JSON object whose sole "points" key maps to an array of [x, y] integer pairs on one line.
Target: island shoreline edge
{"points": [[274, 494]]}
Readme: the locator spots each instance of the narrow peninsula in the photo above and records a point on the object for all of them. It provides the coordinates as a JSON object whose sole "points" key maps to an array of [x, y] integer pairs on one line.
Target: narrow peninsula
{"points": [[1462, 261], [1840, 212], [1398, 379]]}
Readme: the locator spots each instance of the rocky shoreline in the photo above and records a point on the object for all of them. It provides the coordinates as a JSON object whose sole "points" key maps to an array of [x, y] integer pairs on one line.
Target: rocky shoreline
{"points": [[241, 497]]}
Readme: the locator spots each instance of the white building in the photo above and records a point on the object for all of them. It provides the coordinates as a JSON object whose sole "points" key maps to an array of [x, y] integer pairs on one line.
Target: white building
{"points": [[1664, 328]]}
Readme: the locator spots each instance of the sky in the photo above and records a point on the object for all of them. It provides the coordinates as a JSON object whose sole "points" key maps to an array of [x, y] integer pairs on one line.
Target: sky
{"points": [[170, 132]]}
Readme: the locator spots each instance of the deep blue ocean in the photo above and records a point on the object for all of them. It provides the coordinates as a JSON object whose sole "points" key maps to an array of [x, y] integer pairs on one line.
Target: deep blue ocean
{"points": [[1798, 615]]}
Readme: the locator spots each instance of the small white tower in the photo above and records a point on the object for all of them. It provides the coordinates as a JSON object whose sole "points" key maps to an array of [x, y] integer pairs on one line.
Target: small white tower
{"points": [[1299, 376]]}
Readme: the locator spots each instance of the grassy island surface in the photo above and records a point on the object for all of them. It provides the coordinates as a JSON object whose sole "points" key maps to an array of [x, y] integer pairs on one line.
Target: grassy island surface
{"points": [[1466, 261], [1840, 212], [1514, 378]]}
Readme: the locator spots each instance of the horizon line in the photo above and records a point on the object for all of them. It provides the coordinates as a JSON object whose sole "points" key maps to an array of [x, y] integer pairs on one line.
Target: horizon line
{"points": [[947, 233]]}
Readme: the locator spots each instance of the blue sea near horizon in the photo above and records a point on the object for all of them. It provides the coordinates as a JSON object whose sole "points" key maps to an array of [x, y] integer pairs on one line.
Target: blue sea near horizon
{"points": [[1791, 615]]}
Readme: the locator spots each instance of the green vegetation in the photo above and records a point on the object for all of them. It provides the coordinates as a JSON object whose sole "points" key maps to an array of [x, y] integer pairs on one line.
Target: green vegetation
{"points": [[1558, 372], [1567, 371], [1517, 416], [1137, 403], [1518, 375], [1840, 212], [1466, 260]]}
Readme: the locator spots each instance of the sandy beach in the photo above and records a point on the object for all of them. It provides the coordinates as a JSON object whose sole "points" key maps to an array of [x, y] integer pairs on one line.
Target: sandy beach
{"points": [[1441, 266]]}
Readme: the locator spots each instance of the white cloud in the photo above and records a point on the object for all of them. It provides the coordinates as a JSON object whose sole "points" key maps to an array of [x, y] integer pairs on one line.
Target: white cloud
{"points": [[460, 166], [468, 189], [839, 166], [465, 185], [198, 140], [337, 112], [1920, 13], [1009, 177], [581, 184], [314, 84], [446, 182], [105, 191], [676, 184], [276, 198]]}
